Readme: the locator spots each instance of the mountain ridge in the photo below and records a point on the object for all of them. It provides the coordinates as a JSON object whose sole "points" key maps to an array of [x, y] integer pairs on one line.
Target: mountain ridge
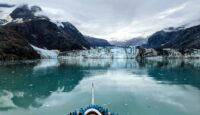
{"points": [[180, 39], [97, 42]]}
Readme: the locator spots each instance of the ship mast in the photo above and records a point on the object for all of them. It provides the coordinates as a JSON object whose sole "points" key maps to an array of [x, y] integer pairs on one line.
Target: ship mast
{"points": [[92, 101]]}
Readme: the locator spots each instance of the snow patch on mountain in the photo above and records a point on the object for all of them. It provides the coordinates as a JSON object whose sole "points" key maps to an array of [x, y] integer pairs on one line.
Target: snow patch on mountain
{"points": [[58, 23], [18, 20]]}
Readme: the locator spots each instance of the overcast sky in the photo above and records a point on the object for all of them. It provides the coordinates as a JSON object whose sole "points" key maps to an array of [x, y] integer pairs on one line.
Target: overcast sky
{"points": [[119, 19]]}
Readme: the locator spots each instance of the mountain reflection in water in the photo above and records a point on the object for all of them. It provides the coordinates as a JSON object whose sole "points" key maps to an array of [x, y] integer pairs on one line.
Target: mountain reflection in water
{"points": [[126, 87]]}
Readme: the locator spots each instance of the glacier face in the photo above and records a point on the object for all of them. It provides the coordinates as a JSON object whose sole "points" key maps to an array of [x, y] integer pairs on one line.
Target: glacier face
{"points": [[129, 53], [116, 53], [102, 53]]}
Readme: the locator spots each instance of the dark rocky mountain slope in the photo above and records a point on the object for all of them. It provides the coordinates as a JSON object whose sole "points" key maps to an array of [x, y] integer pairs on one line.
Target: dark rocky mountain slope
{"points": [[14, 47], [72, 32], [45, 34]]}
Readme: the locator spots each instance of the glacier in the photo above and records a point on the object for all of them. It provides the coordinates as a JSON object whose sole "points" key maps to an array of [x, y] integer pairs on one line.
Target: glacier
{"points": [[46, 54], [129, 53], [102, 53], [116, 53]]}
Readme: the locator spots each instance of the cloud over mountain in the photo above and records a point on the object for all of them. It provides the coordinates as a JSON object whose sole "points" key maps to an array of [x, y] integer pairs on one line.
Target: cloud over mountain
{"points": [[120, 19]]}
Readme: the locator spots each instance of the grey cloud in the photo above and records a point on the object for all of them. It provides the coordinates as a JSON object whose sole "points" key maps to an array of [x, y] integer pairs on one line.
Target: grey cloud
{"points": [[120, 19]]}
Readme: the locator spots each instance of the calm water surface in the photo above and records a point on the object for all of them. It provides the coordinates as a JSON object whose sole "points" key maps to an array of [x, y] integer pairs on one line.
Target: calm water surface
{"points": [[127, 87]]}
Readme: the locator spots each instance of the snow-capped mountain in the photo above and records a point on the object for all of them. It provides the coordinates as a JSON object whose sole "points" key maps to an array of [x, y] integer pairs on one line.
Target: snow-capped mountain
{"points": [[40, 31], [179, 38]]}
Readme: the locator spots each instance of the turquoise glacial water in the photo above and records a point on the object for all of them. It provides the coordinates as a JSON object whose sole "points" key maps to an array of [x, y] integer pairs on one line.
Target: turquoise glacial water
{"points": [[126, 87]]}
